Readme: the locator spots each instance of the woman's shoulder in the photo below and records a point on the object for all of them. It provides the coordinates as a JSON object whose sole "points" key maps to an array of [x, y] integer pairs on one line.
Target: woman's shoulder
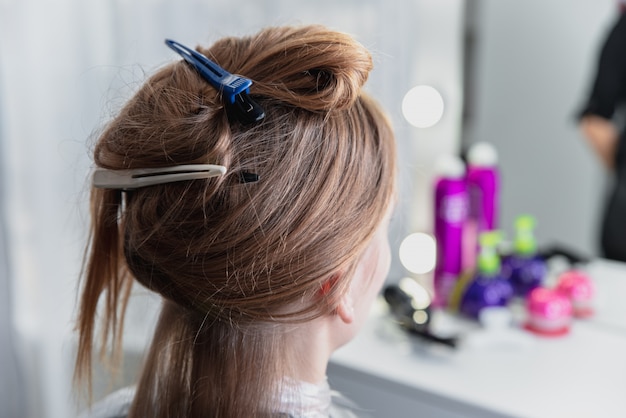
{"points": [[114, 405], [117, 405]]}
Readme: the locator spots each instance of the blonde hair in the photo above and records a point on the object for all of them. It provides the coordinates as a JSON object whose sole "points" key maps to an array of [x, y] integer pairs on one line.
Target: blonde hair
{"points": [[231, 259]]}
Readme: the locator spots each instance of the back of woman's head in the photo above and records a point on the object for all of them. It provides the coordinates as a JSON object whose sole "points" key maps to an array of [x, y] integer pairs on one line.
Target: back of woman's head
{"points": [[231, 256]]}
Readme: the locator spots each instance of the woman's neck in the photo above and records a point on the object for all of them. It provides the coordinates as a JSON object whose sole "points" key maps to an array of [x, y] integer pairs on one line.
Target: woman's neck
{"points": [[310, 348]]}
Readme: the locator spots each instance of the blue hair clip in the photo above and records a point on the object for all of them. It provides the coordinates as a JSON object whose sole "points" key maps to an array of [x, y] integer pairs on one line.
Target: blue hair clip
{"points": [[235, 89]]}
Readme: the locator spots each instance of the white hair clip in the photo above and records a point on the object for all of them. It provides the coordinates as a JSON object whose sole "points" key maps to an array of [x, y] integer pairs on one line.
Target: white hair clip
{"points": [[142, 177]]}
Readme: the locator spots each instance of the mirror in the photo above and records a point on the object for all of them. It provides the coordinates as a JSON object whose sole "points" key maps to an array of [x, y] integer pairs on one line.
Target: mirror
{"points": [[529, 66]]}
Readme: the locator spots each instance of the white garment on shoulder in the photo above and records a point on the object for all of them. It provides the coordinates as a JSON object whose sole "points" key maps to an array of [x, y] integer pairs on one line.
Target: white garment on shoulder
{"points": [[299, 400], [114, 405], [303, 399], [307, 400]]}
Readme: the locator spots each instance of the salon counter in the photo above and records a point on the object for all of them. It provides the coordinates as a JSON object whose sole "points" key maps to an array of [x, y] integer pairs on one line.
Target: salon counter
{"points": [[517, 374]]}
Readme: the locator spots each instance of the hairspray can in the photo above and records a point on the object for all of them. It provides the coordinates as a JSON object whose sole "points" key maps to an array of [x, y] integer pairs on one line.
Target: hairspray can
{"points": [[483, 187], [451, 208]]}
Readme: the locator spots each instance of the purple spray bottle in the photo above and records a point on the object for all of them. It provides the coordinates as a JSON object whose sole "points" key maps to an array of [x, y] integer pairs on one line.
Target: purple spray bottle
{"points": [[451, 206], [487, 288], [525, 269], [483, 186]]}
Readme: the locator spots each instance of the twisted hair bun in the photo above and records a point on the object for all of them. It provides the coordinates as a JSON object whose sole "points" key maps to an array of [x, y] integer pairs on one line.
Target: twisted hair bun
{"points": [[310, 67]]}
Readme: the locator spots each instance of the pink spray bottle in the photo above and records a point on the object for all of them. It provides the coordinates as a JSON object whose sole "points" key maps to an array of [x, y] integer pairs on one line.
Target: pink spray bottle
{"points": [[451, 207], [483, 186]]}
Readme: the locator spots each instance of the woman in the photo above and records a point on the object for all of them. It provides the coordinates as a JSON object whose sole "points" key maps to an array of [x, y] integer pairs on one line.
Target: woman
{"points": [[265, 235], [602, 122]]}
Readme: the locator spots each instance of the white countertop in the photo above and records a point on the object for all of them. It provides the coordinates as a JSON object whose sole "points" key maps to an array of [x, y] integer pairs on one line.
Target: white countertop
{"points": [[610, 300], [582, 374]]}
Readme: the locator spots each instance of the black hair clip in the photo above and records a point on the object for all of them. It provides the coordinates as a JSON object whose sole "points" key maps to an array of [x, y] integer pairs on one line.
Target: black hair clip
{"points": [[234, 88], [247, 177]]}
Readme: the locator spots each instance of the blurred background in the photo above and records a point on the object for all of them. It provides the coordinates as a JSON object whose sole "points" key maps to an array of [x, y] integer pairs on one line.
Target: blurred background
{"points": [[512, 73]]}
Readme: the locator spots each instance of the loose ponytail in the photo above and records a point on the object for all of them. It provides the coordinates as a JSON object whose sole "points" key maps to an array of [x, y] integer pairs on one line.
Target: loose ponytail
{"points": [[105, 273]]}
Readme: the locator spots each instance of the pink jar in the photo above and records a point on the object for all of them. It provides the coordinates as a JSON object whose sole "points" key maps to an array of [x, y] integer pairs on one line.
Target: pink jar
{"points": [[549, 312], [579, 289]]}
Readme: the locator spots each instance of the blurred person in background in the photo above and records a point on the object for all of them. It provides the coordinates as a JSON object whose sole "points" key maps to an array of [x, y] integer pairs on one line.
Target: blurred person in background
{"points": [[603, 123]]}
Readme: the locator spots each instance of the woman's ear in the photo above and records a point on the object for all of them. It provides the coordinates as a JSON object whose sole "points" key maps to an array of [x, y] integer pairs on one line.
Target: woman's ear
{"points": [[345, 308], [328, 285]]}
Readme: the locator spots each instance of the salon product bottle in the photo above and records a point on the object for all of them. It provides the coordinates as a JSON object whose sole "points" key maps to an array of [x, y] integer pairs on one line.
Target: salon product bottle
{"points": [[524, 268], [450, 213], [487, 288], [483, 186], [549, 312]]}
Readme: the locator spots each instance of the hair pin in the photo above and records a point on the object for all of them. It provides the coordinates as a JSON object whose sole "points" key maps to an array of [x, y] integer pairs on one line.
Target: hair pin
{"points": [[247, 177], [142, 177], [234, 88]]}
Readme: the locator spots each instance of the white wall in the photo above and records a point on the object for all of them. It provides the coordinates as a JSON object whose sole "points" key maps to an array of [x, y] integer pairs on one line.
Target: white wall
{"points": [[534, 64]]}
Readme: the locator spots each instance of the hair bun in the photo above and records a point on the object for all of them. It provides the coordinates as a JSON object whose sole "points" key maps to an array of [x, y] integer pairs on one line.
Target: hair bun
{"points": [[311, 67]]}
